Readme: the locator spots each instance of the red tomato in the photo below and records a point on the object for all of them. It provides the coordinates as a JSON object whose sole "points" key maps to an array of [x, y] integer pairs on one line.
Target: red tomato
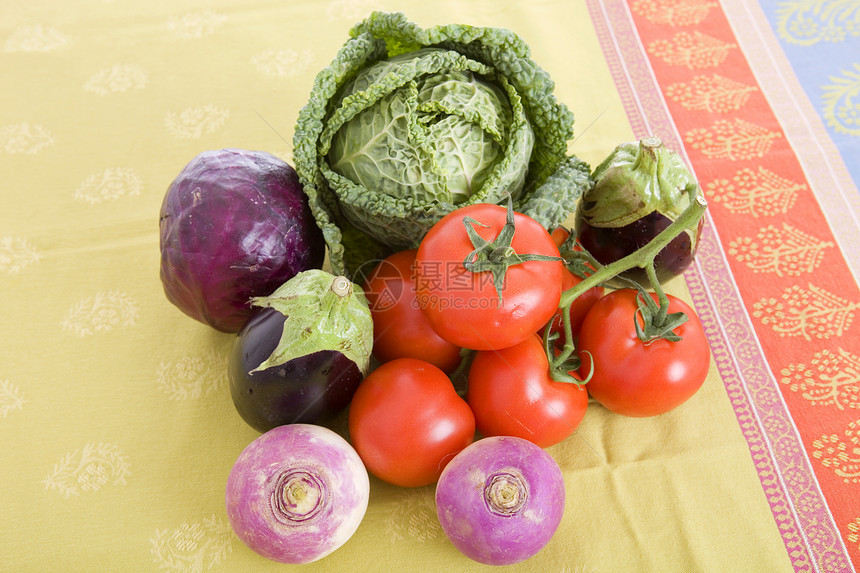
{"points": [[463, 306], [512, 394], [407, 422], [560, 235], [578, 308], [634, 378], [399, 327]]}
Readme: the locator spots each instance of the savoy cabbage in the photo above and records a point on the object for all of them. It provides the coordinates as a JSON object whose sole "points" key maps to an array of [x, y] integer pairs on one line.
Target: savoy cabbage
{"points": [[406, 124]]}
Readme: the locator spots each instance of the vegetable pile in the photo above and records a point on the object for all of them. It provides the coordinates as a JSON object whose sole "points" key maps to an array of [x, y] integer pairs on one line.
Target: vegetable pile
{"points": [[459, 326]]}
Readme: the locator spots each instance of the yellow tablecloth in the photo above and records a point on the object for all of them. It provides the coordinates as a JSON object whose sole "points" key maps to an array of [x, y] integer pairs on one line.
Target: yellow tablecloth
{"points": [[117, 426]]}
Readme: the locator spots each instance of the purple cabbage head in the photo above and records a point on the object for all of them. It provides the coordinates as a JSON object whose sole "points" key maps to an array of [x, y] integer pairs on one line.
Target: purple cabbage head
{"points": [[234, 224]]}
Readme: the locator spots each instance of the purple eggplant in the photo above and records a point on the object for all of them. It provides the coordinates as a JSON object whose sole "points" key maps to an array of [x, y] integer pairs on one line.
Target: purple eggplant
{"points": [[639, 190], [301, 358], [311, 389]]}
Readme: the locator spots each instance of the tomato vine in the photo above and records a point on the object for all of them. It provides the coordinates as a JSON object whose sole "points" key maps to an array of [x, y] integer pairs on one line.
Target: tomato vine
{"points": [[658, 323]]}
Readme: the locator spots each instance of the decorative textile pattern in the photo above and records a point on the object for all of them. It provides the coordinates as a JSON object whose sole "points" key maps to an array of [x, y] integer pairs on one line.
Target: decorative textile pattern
{"points": [[797, 292]]}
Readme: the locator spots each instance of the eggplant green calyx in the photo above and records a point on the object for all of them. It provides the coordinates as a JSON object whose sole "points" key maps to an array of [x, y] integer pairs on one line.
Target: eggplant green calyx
{"points": [[497, 255], [637, 179], [323, 312]]}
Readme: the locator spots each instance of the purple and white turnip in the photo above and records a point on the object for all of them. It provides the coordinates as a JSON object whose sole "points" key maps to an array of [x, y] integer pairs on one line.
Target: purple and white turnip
{"points": [[500, 500], [297, 493]]}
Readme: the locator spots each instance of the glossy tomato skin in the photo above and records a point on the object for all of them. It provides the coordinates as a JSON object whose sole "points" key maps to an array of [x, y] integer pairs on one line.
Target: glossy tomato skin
{"points": [[462, 306], [407, 422], [400, 329], [512, 394], [637, 379], [559, 236]]}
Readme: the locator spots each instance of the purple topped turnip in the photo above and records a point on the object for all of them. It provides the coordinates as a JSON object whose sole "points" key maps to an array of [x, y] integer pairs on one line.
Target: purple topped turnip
{"points": [[234, 224], [297, 493], [500, 500]]}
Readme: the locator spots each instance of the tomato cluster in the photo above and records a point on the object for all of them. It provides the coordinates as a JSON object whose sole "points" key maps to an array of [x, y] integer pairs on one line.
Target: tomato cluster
{"points": [[479, 301]]}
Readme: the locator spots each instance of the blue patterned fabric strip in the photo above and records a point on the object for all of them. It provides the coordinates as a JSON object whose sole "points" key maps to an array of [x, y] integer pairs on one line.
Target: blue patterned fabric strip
{"points": [[821, 39]]}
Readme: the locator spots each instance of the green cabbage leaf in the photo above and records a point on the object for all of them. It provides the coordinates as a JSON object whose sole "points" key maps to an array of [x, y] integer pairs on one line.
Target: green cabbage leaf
{"points": [[407, 124]]}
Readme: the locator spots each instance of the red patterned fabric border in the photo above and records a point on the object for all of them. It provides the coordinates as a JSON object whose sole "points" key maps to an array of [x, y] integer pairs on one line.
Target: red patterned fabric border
{"points": [[776, 295], [805, 130]]}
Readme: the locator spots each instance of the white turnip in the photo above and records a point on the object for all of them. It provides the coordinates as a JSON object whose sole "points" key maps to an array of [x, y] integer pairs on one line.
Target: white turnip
{"points": [[297, 493]]}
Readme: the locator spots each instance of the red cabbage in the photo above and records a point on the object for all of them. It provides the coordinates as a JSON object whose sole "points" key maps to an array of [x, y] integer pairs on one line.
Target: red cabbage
{"points": [[234, 224]]}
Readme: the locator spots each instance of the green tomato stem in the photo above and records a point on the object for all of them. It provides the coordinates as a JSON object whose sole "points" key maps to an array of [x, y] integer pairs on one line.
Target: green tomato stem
{"points": [[658, 290], [497, 255], [459, 377]]}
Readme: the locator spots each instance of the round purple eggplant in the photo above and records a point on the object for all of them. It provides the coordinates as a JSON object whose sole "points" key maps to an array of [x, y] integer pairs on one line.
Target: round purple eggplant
{"points": [[608, 244], [234, 224], [639, 190], [311, 389]]}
